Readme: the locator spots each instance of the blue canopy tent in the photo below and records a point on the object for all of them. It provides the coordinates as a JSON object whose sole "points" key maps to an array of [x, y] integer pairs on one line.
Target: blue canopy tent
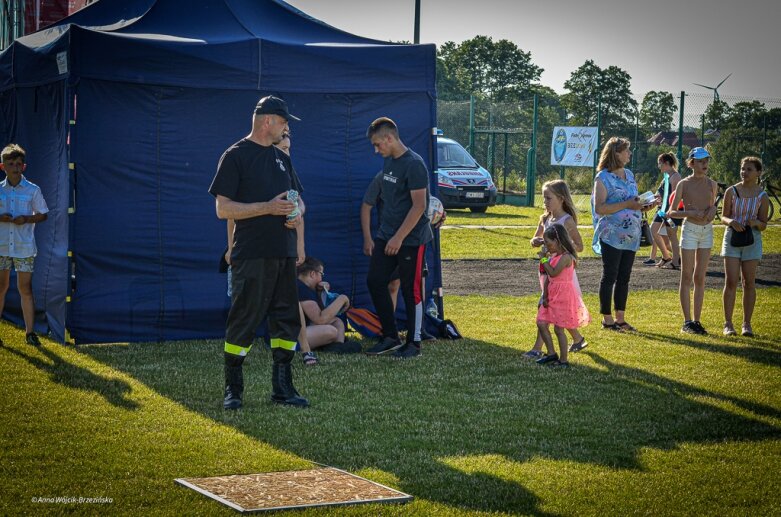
{"points": [[124, 109]]}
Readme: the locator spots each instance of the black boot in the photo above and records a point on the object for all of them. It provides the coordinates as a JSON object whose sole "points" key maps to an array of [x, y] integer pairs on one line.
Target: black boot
{"points": [[282, 380], [234, 381]]}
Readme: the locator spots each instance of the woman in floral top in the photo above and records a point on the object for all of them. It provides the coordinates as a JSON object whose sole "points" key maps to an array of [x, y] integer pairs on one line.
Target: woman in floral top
{"points": [[616, 214]]}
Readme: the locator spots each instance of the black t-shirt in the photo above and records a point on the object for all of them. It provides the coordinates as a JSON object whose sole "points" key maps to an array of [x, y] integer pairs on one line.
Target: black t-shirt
{"points": [[305, 294], [399, 177], [372, 195], [250, 173]]}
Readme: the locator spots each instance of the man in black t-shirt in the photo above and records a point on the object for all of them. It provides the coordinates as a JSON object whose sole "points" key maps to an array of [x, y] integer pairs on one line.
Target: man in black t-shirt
{"points": [[401, 238], [251, 187]]}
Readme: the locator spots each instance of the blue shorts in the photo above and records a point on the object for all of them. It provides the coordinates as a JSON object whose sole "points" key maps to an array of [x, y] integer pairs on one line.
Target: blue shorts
{"points": [[745, 253]]}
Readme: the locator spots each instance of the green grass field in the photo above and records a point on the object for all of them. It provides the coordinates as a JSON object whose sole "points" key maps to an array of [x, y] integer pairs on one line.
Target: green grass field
{"points": [[656, 423], [482, 243], [508, 215], [652, 423]]}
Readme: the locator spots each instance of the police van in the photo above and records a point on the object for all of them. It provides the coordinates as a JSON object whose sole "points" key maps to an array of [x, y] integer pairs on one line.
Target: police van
{"points": [[461, 181]]}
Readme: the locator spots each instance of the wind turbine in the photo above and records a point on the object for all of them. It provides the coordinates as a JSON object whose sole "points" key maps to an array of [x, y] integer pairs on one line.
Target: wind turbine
{"points": [[715, 89]]}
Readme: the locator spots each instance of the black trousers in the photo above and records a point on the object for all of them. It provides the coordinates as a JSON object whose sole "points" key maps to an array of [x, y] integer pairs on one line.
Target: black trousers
{"points": [[264, 287], [409, 260], [616, 271]]}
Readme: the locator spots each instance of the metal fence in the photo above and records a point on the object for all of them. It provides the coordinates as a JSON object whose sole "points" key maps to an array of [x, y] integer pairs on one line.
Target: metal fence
{"points": [[512, 141]]}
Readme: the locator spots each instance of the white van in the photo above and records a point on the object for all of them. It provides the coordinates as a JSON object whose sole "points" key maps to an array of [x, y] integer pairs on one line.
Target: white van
{"points": [[462, 182]]}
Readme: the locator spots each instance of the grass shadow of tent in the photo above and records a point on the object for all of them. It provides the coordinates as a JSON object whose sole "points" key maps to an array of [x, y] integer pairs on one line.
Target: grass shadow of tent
{"points": [[76, 377], [460, 399]]}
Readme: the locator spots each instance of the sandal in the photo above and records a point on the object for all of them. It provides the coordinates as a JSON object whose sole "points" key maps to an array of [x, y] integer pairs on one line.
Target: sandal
{"points": [[309, 358], [625, 327], [663, 262], [610, 326], [670, 265], [577, 347], [533, 354]]}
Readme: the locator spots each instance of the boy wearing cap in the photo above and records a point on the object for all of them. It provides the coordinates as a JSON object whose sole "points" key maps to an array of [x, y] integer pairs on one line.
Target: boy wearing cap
{"points": [[21, 206], [698, 193], [251, 186]]}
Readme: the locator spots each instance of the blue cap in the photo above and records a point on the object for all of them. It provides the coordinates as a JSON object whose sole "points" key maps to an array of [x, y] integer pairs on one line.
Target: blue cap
{"points": [[698, 153]]}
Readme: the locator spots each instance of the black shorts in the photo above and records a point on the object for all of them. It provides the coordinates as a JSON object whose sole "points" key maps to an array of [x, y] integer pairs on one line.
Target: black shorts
{"points": [[658, 219]]}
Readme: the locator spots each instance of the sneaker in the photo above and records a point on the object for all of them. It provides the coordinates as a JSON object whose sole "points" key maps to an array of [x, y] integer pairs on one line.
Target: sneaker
{"points": [[309, 358], [425, 336], [729, 330], [533, 354], [700, 329], [689, 328], [348, 347], [649, 262], [32, 339], [548, 358], [384, 346], [407, 351], [577, 347], [747, 331]]}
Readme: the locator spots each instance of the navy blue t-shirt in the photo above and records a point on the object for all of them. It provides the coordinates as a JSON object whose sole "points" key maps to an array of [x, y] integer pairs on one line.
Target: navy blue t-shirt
{"points": [[305, 294], [248, 173], [400, 176]]}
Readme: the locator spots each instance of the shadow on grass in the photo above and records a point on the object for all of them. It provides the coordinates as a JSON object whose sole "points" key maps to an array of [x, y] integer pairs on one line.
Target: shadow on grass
{"points": [[757, 281], [71, 376], [745, 351], [457, 403]]}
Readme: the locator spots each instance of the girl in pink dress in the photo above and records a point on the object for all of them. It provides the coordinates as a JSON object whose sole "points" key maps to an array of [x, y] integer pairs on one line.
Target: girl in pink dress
{"points": [[562, 304]]}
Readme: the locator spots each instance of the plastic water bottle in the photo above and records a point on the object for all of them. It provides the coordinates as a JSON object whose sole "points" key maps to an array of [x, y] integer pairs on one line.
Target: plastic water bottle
{"points": [[292, 196], [431, 308]]}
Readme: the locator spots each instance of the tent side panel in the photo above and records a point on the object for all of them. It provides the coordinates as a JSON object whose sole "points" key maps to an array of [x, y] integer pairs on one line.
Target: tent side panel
{"points": [[35, 118], [336, 163], [146, 238]]}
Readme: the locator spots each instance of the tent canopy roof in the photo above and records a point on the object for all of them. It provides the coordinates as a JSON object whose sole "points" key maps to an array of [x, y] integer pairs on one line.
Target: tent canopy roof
{"points": [[232, 44]]}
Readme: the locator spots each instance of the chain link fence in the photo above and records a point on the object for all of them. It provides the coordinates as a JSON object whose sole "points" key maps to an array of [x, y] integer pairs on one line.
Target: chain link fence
{"points": [[499, 135]]}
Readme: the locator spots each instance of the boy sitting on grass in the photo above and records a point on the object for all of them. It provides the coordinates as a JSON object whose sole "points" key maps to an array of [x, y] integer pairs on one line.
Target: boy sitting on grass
{"points": [[324, 330]]}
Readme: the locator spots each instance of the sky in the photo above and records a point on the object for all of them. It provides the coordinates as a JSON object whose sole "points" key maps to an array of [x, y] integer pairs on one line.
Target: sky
{"points": [[663, 44]]}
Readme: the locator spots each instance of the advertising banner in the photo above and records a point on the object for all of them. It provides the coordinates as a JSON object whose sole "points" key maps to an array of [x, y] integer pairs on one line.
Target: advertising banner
{"points": [[573, 146]]}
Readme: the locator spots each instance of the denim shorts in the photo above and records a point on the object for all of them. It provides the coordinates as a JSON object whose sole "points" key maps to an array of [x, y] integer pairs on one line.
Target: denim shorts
{"points": [[25, 265], [753, 252], [695, 236]]}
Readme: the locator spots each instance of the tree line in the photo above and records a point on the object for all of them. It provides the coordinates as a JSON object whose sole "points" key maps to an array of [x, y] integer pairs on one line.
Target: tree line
{"points": [[498, 71]]}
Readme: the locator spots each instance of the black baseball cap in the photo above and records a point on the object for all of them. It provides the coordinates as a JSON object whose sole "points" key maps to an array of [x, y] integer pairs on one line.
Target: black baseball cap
{"points": [[274, 106]]}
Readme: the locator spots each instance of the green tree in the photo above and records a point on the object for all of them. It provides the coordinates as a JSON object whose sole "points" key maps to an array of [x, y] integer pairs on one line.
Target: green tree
{"points": [[588, 84], [748, 128], [657, 110], [498, 70], [716, 114]]}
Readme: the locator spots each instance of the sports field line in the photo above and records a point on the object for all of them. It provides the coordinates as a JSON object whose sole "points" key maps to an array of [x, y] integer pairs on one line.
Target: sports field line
{"points": [[510, 226]]}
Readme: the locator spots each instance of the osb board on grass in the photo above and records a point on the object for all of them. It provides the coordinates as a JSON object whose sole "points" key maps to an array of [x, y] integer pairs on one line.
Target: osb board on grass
{"points": [[293, 489]]}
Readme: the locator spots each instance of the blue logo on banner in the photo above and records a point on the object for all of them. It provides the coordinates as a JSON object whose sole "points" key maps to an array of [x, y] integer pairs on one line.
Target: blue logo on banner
{"points": [[560, 145]]}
